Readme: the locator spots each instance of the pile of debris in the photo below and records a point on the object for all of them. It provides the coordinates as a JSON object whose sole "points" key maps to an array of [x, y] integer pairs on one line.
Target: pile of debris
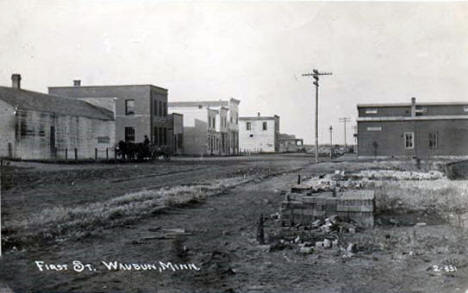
{"points": [[341, 180], [326, 234], [318, 212], [328, 182], [303, 209], [396, 175]]}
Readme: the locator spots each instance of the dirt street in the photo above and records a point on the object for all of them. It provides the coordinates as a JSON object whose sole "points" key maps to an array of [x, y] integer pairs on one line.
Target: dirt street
{"points": [[217, 236]]}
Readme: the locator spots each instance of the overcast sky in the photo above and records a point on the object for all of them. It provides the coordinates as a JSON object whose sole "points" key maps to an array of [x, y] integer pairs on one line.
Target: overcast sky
{"points": [[253, 51]]}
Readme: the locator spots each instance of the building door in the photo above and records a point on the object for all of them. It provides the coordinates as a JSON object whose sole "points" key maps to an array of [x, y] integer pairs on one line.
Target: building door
{"points": [[52, 141]]}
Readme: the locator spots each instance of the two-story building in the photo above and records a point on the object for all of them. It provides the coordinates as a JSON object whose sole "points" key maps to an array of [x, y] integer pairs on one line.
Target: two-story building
{"points": [[210, 127], [259, 134], [139, 109], [413, 130]]}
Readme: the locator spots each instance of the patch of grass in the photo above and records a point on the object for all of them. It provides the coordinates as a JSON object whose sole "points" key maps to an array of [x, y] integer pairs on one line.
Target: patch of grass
{"points": [[440, 196], [79, 221]]}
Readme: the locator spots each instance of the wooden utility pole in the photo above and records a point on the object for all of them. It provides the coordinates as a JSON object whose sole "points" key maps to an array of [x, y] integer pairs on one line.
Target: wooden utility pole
{"points": [[315, 74], [331, 142], [344, 120]]}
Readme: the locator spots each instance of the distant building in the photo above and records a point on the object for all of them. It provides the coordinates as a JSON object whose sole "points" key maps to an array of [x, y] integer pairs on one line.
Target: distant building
{"points": [[210, 127], [40, 126], [139, 109], [259, 134], [289, 143], [413, 130], [176, 133]]}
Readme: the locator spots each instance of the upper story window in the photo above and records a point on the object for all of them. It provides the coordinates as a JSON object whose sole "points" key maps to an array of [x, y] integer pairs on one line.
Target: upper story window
{"points": [[409, 140], [265, 126], [160, 110], [214, 122], [129, 107], [465, 109], [155, 108], [371, 111], [165, 109], [248, 126]]}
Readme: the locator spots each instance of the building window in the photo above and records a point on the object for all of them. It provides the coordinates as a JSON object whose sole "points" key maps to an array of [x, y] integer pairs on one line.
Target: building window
{"points": [[161, 136], [371, 111], [374, 128], [103, 139], [420, 111], [155, 135], [129, 134], [155, 110], [214, 122], [165, 136], [180, 140], [160, 112], [433, 140], [264, 126], [165, 109], [409, 140], [129, 107], [465, 109], [248, 126], [41, 130]]}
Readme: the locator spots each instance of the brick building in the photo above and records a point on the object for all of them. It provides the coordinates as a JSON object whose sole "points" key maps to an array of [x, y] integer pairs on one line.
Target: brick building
{"points": [[40, 126], [210, 127], [413, 130], [139, 109], [259, 134]]}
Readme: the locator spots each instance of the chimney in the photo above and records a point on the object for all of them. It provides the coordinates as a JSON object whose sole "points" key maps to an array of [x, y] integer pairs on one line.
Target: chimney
{"points": [[258, 114], [413, 107], [16, 81], [77, 82]]}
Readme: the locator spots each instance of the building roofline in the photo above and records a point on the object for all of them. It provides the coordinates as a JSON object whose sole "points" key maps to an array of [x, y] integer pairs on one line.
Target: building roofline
{"points": [[101, 113], [196, 103], [259, 117], [104, 86], [401, 118], [409, 104]]}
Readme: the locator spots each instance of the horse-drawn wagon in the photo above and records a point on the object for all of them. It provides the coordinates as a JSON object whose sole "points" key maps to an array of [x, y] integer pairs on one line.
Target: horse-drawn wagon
{"points": [[141, 151]]}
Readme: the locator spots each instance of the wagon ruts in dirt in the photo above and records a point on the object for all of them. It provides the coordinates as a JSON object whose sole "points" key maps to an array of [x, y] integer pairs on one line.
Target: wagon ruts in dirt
{"points": [[141, 151]]}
